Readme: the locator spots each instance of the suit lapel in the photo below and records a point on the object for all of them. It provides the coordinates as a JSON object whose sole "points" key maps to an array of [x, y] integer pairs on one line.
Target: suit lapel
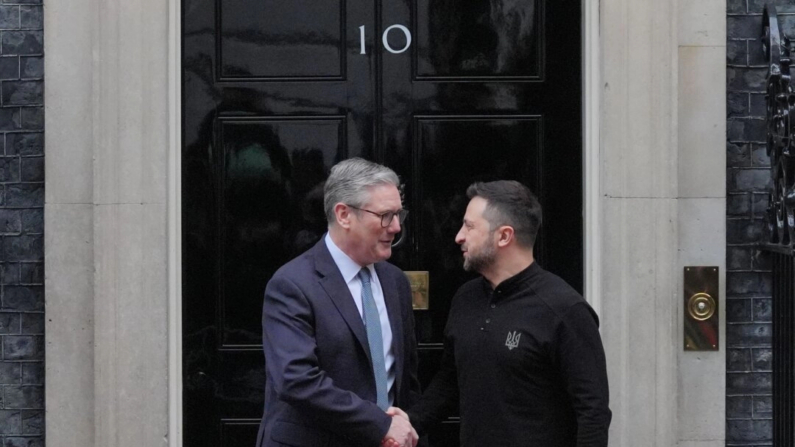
{"points": [[332, 282], [393, 308]]}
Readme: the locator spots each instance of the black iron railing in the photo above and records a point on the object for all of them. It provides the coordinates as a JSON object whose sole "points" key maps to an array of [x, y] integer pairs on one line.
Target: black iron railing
{"points": [[780, 234], [783, 342]]}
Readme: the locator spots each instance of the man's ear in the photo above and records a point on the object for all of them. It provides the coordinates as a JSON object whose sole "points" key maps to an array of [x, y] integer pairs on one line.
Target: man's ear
{"points": [[342, 214], [505, 236]]}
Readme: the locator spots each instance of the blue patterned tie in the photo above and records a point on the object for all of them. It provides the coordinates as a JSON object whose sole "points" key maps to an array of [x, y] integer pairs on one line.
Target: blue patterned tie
{"points": [[374, 338]]}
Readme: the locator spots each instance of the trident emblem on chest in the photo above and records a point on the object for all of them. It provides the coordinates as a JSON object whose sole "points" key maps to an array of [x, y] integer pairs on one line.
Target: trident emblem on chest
{"points": [[513, 340]]}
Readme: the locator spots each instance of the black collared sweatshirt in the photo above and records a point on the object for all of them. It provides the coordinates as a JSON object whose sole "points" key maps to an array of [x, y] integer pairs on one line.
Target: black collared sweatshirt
{"points": [[525, 362]]}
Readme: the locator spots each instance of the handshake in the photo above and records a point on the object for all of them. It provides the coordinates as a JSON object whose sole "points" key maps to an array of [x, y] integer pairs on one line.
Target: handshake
{"points": [[401, 433]]}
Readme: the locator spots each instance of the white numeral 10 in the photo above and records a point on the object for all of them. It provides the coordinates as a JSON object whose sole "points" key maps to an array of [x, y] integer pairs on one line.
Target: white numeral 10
{"points": [[405, 30]]}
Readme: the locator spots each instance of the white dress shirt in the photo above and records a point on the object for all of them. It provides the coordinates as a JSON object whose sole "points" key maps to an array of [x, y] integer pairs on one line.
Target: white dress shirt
{"points": [[350, 271]]}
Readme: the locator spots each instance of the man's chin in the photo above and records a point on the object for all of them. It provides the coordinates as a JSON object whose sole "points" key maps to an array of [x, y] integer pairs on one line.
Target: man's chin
{"points": [[474, 265], [384, 253]]}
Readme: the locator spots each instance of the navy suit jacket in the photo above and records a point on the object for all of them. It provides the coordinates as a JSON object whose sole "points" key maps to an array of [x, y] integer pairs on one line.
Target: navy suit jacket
{"points": [[320, 387]]}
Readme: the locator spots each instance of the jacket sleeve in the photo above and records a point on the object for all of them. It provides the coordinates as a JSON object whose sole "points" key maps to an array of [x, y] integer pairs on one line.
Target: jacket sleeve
{"points": [[582, 363], [292, 365]]}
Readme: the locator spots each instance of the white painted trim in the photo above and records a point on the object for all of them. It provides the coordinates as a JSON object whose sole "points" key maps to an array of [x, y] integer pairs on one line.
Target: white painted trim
{"points": [[591, 154], [174, 204]]}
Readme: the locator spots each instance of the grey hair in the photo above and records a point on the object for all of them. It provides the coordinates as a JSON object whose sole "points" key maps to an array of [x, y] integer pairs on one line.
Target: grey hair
{"points": [[349, 182]]}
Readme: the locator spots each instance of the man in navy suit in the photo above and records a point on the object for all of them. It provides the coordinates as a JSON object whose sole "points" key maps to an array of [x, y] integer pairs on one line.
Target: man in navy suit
{"points": [[338, 326]]}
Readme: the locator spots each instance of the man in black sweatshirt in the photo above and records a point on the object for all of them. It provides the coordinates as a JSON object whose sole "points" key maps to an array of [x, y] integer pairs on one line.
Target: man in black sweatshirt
{"points": [[522, 352]]}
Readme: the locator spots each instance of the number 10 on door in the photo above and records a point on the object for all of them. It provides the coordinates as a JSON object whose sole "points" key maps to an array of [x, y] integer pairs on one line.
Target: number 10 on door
{"points": [[384, 39]]}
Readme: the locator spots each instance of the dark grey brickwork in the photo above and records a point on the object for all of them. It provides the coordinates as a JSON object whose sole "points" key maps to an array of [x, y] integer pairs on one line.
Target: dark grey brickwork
{"points": [[21, 224], [748, 285]]}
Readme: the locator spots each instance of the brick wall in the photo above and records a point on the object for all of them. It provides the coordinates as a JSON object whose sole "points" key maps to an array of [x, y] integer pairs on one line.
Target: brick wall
{"points": [[21, 224], [748, 284]]}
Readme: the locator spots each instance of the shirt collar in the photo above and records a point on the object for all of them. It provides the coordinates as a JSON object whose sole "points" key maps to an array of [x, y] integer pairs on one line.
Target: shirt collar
{"points": [[347, 266], [510, 284]]}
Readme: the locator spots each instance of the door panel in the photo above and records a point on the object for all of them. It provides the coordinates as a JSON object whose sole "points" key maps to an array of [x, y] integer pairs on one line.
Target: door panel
{"points": [[273, 40], [277, 92], [466, 40], [237, 433]]}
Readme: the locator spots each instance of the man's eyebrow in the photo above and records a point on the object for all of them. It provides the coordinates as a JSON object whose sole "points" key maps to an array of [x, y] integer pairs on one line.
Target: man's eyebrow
{"points": [[391, 211]]}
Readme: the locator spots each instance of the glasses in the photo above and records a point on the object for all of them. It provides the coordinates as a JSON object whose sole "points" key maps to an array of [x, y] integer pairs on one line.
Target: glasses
{"points": [[386, 218]]}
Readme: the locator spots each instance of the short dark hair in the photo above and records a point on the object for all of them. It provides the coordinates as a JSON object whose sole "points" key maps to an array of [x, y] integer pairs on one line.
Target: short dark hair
{"points": [[510, 203]]}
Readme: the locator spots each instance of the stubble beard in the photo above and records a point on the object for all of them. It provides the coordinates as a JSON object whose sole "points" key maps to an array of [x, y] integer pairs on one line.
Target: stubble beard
{"points": [[481, 261]]}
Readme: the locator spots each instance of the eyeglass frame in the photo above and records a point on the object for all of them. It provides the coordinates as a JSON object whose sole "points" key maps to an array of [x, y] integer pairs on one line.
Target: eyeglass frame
{"points": [[401, 215]]}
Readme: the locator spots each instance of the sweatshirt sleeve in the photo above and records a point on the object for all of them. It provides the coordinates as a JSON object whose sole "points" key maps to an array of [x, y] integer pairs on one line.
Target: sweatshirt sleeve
{"points": [[441, 395], [581, 357]]}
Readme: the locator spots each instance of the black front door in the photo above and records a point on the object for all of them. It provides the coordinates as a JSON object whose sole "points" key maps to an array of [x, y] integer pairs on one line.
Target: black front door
{"points": [[275, 92]]}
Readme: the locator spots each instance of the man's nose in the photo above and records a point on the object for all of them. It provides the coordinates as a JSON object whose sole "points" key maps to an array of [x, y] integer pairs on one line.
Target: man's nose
{"points": [[394, 225], [459, 238]]}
